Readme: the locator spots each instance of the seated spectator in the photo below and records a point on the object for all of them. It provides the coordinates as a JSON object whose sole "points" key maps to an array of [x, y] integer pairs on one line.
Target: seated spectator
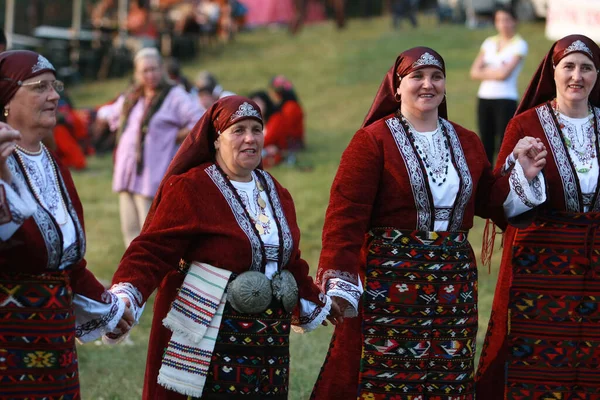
{"points": [[209, 90], [284, 131]]}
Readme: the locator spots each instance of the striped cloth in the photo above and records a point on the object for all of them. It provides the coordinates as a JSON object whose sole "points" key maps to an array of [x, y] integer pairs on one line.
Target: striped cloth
{"points": [[194, 319]]}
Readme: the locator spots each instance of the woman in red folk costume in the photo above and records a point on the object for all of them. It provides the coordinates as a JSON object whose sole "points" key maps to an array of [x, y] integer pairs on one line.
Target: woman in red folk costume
{"points": [[402, 202], [47, 296], [543, 339], [232, 225]]}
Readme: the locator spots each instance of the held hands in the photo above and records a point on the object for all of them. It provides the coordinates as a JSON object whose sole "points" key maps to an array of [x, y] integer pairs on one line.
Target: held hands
{"points": [[531, 154], [8, 139], [338, 308], [125, 323]]}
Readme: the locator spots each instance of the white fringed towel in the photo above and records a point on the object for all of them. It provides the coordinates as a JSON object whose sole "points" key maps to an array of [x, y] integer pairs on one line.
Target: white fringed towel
{"points": [[194, 319]]}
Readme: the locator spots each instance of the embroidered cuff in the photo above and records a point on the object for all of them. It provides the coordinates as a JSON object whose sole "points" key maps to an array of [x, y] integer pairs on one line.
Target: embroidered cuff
{"points": [[524, 195], [94, 318], [16, 205], [350, 292], [125, 291], [508, 164], [311, 315]]}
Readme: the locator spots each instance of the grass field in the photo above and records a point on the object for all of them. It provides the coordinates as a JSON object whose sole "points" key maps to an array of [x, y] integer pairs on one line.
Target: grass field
{"points": [[336, 75]]}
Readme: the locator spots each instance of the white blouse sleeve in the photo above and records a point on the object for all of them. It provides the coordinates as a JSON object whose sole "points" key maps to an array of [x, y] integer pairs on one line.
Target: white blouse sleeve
{"points": [[94, 318], [311, 315], [337, 287], [125, 291], [523, 195], [16, 205]]}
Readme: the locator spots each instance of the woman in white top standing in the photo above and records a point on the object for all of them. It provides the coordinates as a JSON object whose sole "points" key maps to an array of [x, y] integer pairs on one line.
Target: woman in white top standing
{"points": [[497, 66]]}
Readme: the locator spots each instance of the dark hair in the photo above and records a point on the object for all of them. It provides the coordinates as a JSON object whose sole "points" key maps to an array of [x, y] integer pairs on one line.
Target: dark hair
{"points": [[269, 106], [505, 9], [2, 38]]}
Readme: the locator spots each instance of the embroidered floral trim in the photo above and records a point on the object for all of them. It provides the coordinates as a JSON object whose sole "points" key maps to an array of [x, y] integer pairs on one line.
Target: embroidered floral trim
{"points": [[596, 206], [443, 214], [240, 216], [286, 234], [105, 322], [126, 289], [245, 110], [47, 228], [578, 45], [415, 174], [42, 63], [427, 59], [587, 199], [323, 280], [530, 194], [351, 293], [561, 158], [310, 321], [466, 181]]}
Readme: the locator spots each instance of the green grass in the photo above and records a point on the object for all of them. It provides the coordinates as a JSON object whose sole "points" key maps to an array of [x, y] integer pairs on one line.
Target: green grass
{"points": [[336, 75]]}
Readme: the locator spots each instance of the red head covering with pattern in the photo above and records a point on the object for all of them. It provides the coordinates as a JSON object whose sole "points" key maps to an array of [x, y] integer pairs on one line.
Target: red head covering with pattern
{"points": [[199, 146], [16, 66], [408, 61], [542, 87]]}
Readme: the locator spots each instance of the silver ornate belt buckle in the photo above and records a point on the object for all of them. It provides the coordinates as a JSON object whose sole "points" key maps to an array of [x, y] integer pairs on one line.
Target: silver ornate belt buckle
{"points": [[250, 292], [285, 289]]}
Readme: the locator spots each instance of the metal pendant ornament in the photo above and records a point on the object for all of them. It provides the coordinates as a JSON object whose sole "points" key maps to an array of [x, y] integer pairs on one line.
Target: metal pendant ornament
{"points": [[285, 289], [250, 292]]}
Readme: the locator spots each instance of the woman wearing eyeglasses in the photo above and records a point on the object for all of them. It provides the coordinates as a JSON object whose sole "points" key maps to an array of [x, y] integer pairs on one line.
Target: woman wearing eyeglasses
{"points": [[47, 296]]}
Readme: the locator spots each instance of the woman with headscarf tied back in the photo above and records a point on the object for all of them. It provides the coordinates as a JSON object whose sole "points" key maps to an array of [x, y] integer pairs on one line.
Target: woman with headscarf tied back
{"points": [[219, 221], [402, 202], [543, 340], [47, 295]]}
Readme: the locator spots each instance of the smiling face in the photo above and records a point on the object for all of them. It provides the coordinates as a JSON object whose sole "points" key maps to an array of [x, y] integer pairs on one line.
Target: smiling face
{"points": [[422, 91], [33, 107], [239, 149], [575, 76]]}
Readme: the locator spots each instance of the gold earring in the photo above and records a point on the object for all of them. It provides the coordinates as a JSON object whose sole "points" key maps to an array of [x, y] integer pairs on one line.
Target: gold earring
{"points": [[6, 112]]}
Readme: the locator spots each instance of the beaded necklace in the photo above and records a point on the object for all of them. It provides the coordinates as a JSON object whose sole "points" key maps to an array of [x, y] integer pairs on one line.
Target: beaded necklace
{"points": [[34, 188], [436, 158], [586, 151]]}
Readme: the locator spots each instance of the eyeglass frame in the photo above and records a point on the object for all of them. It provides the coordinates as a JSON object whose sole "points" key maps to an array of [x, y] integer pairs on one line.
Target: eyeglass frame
{"points": [[52, 84]]}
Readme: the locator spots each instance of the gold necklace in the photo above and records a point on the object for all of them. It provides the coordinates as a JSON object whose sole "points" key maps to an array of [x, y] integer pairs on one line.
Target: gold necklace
{"points": [[34, 188], [262, 220]]}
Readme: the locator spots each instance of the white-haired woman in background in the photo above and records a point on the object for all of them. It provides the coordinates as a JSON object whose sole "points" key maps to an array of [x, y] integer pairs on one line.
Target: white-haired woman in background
{"points": [[151, 118]]}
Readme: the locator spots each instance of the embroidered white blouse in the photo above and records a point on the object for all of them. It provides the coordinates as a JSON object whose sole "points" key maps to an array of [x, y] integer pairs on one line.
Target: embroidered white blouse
{"points": [[249, 193], [523, 196]]}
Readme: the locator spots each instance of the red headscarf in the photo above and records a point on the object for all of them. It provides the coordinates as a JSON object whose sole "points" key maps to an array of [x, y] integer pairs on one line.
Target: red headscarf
{"points": [[408, 61], [199, 146], [542, 87], [17, 66]]}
